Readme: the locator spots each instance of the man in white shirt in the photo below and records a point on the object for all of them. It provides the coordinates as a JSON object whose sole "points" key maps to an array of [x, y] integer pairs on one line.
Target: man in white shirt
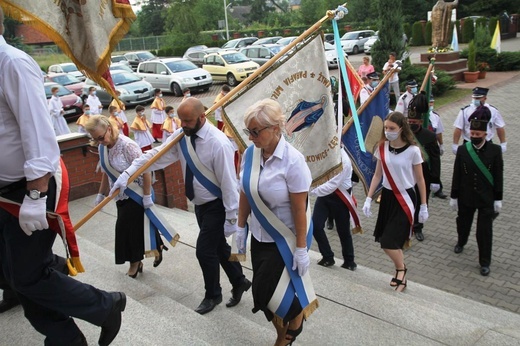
{"points": [[49, 298], [404, 100], [394, 79], [329, 202], [216, 215], [462, 123], [93, 101]]}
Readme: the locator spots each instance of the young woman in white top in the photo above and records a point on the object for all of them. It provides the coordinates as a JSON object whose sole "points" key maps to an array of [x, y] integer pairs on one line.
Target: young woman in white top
{"points": [[399, 162]]}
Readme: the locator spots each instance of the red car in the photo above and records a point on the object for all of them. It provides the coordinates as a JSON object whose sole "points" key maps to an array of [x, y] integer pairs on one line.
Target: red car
{"points": [[68, 81], [72, 104]]}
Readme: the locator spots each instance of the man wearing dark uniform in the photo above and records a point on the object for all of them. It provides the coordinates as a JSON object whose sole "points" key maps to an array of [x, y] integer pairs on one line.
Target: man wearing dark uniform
{"points": [[477, 185], [427, 142]]}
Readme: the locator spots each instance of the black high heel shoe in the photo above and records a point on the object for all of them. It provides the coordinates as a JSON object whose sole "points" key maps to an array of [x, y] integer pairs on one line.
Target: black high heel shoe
{"points": [[139, 270], [402, 282], [393, 282], [293, 333], [159, 260]]}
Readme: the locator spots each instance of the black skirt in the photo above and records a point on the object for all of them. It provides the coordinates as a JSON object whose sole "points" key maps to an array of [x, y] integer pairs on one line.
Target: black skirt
{"points": [[392, 226], [129, 231], [268, 266]]}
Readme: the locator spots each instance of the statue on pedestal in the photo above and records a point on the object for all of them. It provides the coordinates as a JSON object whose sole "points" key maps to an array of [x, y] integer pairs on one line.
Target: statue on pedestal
{"points": [[441, 16]]}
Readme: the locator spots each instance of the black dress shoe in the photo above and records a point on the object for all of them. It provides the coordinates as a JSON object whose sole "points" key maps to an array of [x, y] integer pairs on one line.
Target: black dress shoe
{"points": [[419, 236], [112, 324], [8, 304], [326, 262], [80, 340], [458, 248], [349, 265], [440, 194], [236, 293], [484, 271], [330, 224], [208, 304]]}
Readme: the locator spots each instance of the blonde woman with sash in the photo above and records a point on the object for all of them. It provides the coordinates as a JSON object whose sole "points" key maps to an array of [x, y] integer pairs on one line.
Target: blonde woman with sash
{"points": [[116, 155], [274, 182], [399, 164]]}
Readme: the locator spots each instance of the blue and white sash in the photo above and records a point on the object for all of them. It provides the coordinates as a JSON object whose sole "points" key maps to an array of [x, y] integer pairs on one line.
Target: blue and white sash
{"points": [[153, 220], [290, 283], [204, 176]]}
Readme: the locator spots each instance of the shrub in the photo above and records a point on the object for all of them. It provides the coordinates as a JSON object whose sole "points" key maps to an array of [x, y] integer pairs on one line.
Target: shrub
{"points": [[472, 56], [468, 31], [444, 81], [507, 61], [417, 34], [481, 22], [407, 28], [492, 25], [482, 38], [428, 34]]}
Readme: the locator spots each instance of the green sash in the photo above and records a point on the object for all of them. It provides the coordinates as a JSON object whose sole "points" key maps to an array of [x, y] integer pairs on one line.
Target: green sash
{"points": [[479, 163]]}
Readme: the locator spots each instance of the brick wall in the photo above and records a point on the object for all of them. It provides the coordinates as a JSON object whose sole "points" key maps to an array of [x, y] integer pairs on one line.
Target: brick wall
{"points": [[81, 160], [31, 35]]}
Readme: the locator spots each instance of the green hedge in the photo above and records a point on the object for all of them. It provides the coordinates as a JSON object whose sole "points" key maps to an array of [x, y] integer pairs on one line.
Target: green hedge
{"points": [[417, 34], [505, 61], [407, 28], [468, 31], [444, 81], [428, 34]]}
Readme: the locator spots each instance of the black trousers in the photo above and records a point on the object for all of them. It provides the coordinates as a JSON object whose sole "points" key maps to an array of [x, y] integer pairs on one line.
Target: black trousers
{"points": [[341, 215], [484, 230], [49, 297], [213, 249], [417, 226]]}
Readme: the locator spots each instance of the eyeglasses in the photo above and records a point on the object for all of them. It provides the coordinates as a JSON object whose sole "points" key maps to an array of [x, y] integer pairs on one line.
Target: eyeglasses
{"points": [[254, 133], [101, 138]]}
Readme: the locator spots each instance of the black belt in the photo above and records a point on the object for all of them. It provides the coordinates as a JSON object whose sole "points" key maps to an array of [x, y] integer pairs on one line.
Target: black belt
{"points": [[17, 185]]}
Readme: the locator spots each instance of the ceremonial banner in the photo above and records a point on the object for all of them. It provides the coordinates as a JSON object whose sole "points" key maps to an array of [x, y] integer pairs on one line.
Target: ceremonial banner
{"points": [[86, 31], [496, 42], [371, 121], [300, 83]]}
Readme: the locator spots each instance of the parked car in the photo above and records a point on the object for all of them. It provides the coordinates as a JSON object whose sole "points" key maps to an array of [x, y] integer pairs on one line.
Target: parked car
{"points": [[120, 67], [197, 57], [69, 68], [267, 40], [197, 48], [354, 41], [133, 90], [368, 44], [331, 55], [238, 43], [286, 40], [72, 103], [261, 53], [329, 38], [232, 67], [119, 59], [68, 81], [135, 58], [175, 74]]}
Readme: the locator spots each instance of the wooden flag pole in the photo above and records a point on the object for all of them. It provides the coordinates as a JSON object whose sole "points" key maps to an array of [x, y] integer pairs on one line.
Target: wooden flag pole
{"points": [[427, 75], [370, 98]]}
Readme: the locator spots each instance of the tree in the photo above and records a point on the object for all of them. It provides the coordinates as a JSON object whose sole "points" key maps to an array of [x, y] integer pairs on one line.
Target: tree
{"points": [[390, 32], [310, 11], [185, 28], [150, 19]]}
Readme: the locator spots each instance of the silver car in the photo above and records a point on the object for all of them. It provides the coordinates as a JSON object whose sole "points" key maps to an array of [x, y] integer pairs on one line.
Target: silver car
{"points": [[354, 41], [133, 90], [174, 74]]}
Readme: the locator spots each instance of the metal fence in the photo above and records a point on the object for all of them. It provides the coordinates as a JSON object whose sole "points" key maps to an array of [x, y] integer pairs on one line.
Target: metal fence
{"points": [[141, 43]]}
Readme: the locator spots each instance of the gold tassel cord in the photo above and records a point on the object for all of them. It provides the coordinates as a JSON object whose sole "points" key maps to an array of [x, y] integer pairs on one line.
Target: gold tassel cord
{"points": [[72, 270], [76, 262]]}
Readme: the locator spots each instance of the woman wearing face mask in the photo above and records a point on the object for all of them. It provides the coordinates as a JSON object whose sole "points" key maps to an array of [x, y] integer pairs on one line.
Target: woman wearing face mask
{"points": [[400, 166], [141, 128]]}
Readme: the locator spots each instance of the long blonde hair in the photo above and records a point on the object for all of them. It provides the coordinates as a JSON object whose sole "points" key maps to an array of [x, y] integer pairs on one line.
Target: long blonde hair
{"points": [[101, 121]]}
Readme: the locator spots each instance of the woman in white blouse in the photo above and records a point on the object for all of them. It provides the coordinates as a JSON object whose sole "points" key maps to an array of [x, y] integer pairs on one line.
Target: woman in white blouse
{"points": [[129, 244], [283, 185]]}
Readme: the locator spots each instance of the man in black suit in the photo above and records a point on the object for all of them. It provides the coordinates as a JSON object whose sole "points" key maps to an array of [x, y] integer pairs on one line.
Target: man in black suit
{"points": [[477, 185], [427, 142]]}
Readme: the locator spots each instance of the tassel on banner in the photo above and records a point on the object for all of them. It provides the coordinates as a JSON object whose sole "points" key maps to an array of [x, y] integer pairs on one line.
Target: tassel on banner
{"points": [[72, 270], [76, 262]]}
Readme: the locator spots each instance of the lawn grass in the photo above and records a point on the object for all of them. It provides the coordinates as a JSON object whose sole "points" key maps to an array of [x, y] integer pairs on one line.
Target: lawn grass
{"points": [[451, 96], [46, 60]]}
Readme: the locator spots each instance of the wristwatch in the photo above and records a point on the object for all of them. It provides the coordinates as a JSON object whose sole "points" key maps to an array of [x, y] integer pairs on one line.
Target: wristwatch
{"points": [[35, 194], [232, 221]]}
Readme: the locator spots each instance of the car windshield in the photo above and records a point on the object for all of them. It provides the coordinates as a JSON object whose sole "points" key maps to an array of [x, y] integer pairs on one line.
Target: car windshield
{"points": [[285, 41], [275, 49], [69, 68], [235, 58], [350, 36], [124, 78], [230, 44], [62, 91], [118, 58], [121, 67], [145, 55], [65, 79], [181, 66]]}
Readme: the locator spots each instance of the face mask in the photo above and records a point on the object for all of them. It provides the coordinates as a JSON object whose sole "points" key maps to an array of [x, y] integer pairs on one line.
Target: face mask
{"points": [[415, 127], [374, 84], [55, 95], [116, 114], [188, 95], [475, 102], [93, 93], [476, 140], [160, 95], [87, 112], [171, 115], [413, 90], [431, 108], [141, 114], [392, 136]]}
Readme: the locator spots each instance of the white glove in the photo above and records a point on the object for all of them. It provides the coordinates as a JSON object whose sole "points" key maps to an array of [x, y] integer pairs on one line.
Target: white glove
{"points": [[435, 187], [423, 213], [454, 148], [301, 260], [366, 207], [120, 184], [147, 201], [441, 149], [504, 147], [33, 215], [454, 204], [229, 228], [241, 238], [498, 206], [99, 199]]}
